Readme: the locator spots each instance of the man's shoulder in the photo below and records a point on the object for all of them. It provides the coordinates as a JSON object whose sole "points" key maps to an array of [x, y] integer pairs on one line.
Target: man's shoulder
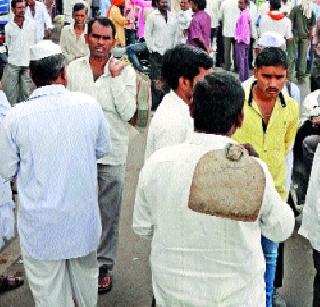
{"points": [[173, 154], [78, 64], [66, 29], [169, 111], [292, 104]]}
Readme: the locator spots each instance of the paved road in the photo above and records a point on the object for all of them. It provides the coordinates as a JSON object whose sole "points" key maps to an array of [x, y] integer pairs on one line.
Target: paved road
{"points": [[132, 278]]}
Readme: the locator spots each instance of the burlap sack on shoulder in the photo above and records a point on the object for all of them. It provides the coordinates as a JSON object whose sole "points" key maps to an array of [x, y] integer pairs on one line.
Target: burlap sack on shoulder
{"points": [[228, 183]]}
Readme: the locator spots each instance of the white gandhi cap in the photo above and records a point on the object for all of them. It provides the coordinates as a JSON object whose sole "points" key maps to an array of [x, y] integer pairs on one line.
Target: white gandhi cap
{"points": [[271, 39], [43, 49]]}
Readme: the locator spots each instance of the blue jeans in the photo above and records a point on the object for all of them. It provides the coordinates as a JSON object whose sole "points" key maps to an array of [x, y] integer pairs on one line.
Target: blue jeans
{"points": [[270, 252], [131, 52]]}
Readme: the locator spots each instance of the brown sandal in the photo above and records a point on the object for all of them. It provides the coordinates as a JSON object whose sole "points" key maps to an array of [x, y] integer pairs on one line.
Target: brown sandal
{"points": [[8, 283], [104, 280]]}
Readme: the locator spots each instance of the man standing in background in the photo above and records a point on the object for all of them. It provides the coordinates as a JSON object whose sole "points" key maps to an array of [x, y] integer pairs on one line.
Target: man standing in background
{"points": [[199, 33], [160, 34], [37, 11], [72, 39], [229, 14], [20, 36]]}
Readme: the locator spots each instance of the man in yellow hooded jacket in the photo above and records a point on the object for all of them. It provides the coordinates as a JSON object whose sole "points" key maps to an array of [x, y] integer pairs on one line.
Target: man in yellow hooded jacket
{"points": [[270, 125]]}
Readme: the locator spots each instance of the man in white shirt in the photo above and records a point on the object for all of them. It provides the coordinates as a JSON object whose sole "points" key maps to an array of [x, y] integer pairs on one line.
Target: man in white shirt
{"points": [[72, 39], [171, 124], [67, 9], [160, 34], [229, 14], [213, 10], [276, 21], [37, 11], [184, 17], [113, 84], [20, 36], [51, 144], [205, 249]]}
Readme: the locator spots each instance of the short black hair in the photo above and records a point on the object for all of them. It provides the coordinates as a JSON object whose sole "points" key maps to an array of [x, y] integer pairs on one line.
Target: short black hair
{"points": [[218, 100], [79, 6], [46, 70], [104, 21], [183, 61], [14, 2], [272, 56], [275, 5], [201, 4]]}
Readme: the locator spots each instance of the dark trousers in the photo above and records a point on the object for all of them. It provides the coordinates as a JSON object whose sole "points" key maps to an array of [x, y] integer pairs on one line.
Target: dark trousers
{"points": [[130, 35], [242, 59], [158, 88], [279, 268], [229, 48], [251, 64], [220, 46]]}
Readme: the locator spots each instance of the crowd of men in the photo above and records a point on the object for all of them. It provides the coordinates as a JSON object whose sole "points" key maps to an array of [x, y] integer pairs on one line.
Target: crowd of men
{"points": [[64, 135]]}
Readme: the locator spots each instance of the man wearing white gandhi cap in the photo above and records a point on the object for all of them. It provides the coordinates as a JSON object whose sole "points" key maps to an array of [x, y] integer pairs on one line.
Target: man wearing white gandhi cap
{"points": [[50, 143]]}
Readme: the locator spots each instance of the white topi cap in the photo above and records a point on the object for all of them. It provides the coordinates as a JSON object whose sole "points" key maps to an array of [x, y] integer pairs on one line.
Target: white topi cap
{"points": [[271, 39], [43, 49]]}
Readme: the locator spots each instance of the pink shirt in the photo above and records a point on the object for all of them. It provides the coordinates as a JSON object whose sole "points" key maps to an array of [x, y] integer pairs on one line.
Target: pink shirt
{"points": [[200, 27], [141, 4], [242, 31]]}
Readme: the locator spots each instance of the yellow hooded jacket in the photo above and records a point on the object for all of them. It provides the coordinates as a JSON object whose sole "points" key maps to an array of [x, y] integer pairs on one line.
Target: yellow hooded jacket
{"points": [[274, 144]]}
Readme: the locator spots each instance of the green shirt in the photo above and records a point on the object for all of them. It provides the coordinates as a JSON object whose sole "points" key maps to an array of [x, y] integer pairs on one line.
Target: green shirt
{"points": [[301, 25]]}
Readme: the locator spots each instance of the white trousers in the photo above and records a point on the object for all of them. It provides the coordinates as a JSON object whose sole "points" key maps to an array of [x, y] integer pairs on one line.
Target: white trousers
{"points": [[53, 283]]}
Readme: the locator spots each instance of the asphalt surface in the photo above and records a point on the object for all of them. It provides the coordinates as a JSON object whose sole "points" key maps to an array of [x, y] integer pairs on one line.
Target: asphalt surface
{"points": [[132, 277]]}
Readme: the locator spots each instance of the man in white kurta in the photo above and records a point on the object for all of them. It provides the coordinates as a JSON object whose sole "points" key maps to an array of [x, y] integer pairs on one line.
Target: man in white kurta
{"points": [[38, 12], [172, 123], [51, 144], [199, 259], [20, 36], [160, 34], [113, 84], [72, 38], [7, 219]]}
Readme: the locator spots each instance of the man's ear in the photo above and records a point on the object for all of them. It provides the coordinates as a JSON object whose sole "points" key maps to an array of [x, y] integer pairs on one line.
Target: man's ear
{"points": [[183, 83], [63, 76]]}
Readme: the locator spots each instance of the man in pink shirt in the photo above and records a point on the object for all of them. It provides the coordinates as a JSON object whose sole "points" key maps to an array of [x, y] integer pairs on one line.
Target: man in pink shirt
{"points": [[199, 32], [242, 38]]}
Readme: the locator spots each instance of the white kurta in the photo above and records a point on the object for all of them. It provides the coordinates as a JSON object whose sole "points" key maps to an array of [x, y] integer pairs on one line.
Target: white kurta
{"points": [[41, 18], [197, 259], [171, 124], [160, 34], [51, 143], [7, 219]]}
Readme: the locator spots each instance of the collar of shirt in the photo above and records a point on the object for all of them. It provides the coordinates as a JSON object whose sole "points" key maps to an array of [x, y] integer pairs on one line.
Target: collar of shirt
{"points": [[48, 90], [106, 71], [84, 32], [25, 22]]}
